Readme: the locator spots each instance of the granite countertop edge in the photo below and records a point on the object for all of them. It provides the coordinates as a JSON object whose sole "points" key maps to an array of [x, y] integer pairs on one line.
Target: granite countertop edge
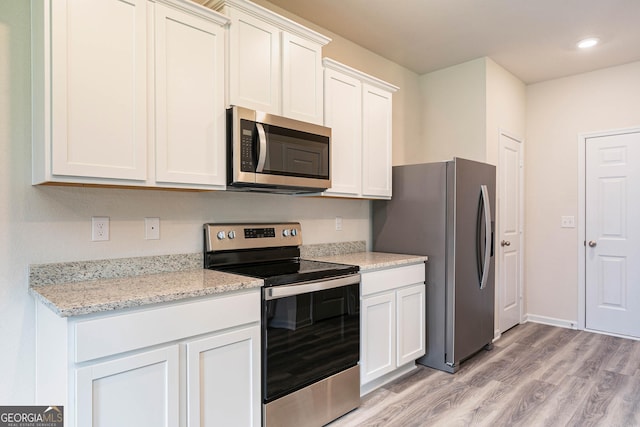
{"points": [[105, 295], [59, 307]]}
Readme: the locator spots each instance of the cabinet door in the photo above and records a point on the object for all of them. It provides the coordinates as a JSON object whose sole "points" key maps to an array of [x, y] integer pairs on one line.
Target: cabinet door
{"points": [[98, 88], [254, 78], [302, 94], [343, 114], [376, 140], [378, 341], [411, 323], [190, 113], [132, 391], [223, 379]]}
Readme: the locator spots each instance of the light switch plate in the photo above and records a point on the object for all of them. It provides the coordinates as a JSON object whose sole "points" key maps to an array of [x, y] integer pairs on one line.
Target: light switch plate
{"points": [[568, 222], [152, 228]]}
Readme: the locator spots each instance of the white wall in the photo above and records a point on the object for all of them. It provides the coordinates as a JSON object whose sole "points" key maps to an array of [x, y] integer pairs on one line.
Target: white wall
{"points": [[506, 100], [557, 111], [407, 137], [454, 113], [52, 224], [465, 109], [505, 112]]}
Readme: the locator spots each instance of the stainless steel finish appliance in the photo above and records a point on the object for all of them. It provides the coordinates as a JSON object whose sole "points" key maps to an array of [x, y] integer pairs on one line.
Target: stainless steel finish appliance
{"points": [[275, 154], [446, 211], [310, 321]]}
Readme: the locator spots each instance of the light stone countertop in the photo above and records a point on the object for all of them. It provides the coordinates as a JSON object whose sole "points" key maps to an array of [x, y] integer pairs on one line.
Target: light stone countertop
{"points": [[84, 297], [84, 287], [373, 260]]}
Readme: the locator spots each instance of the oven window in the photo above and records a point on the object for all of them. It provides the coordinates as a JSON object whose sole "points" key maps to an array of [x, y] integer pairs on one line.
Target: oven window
{"points": [[295, 153], [309, 337]]}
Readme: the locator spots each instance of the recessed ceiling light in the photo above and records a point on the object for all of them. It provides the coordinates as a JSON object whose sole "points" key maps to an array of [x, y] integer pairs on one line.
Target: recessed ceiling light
{"points": [[587, 43]]}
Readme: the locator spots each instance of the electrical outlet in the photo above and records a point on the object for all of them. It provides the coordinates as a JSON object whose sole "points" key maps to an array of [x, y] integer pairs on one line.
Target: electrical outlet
{"points": [[99, 228], [338, 223], [152, 228]]}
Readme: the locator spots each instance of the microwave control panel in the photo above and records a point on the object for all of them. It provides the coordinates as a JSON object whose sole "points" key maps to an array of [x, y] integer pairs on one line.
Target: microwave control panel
{"points": [[246, 146]]}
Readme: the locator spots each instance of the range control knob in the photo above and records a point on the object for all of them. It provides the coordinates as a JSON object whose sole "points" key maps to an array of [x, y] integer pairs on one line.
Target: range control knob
{"points": [[221, 235], [294, 232], [231, 234], [286, 232]]}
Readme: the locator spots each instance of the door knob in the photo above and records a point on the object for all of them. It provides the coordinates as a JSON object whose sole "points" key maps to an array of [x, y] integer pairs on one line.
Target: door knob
{"points": [[592, 243], [505, 243]]}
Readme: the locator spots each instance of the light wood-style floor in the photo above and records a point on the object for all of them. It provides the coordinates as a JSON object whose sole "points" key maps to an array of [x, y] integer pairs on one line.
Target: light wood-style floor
{"points": [[536, 375]]}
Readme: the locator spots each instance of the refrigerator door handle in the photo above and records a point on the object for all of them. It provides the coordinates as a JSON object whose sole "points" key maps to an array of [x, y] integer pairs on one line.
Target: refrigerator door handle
{"points": [[487, 239]]}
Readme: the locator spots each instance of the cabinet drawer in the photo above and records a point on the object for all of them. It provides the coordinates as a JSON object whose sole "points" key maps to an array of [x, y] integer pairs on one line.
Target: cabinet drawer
{"points": [[115, 334], [392, 278]]}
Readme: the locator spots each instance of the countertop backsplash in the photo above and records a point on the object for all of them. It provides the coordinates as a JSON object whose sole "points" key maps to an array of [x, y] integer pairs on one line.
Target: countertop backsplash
{"points": [[80, 271], [329, 249]]}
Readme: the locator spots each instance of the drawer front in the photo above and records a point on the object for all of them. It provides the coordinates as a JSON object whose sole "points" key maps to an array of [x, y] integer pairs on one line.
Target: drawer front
{"points": [[392, 278], [105, 336]]}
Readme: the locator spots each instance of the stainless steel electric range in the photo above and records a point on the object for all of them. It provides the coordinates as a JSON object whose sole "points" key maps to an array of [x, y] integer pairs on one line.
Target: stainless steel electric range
{"points": [[310, 321]]}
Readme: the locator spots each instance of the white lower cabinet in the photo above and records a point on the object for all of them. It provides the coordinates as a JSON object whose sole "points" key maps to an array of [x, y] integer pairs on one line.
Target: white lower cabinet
{"points": [[392, 323], [223, 380], [378, 336], [140, 390], [411, 327], [193, 363]]}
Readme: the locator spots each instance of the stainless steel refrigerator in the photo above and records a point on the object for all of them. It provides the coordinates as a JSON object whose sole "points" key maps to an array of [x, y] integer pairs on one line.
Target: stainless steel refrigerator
{"points": [[446, 211]]}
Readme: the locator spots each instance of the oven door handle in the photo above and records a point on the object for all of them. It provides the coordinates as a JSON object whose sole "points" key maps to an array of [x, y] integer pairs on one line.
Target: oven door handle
{"points": [[307, 287]]}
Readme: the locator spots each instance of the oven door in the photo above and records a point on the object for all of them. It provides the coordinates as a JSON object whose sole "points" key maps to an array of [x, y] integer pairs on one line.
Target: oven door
{"points": [[310, 331]]}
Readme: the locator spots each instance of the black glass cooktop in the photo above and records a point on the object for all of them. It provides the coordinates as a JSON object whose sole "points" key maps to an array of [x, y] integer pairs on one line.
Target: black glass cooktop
{"points": [[291, 271]]}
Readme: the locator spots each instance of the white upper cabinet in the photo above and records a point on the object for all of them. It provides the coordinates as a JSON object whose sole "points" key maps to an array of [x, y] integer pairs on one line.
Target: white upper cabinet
{"points": [[254, 69], [90, 89], [128, 92], [275, 64], [358, 109], [376, 142], [189, 98], [302, 92], [343, 114]]}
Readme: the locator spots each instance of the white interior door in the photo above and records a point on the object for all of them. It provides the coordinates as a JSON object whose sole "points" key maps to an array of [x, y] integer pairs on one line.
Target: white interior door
{"points": [[510, 231], [612, 234]]}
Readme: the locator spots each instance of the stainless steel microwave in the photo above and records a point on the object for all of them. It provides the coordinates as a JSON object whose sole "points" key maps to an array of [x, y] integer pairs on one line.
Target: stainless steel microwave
{"points": [[270, 153]]}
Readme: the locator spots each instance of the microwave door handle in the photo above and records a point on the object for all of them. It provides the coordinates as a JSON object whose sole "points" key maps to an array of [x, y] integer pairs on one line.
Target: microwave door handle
{"points": [[262, 147]]}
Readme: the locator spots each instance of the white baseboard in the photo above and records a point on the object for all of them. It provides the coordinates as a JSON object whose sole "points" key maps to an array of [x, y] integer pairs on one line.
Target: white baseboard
{"points": [[613, 334], [563, 323], [379, 382], [496, 335]]}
